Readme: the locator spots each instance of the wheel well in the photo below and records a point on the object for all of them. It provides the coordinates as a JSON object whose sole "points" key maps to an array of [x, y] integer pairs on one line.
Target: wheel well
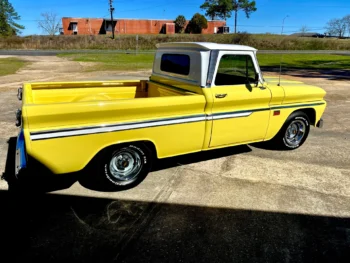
{"points": [[149, 144], [311, 113]]}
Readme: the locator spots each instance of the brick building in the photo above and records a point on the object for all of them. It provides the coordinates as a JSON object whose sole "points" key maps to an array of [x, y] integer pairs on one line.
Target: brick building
{"points": [[96, 26]]}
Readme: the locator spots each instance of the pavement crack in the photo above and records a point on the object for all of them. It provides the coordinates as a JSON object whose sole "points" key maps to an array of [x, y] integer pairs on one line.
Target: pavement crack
{"points": [[146, 217], [80, 220]]}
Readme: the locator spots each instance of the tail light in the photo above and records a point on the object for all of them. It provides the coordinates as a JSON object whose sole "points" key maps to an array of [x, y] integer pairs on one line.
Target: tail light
{"points": [[19, 93]]}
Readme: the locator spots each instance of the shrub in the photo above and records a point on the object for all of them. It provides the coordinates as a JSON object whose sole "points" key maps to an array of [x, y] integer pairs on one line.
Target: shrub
{"points": [[148, 42], [197, 23], [180, 23], [241, 38]]}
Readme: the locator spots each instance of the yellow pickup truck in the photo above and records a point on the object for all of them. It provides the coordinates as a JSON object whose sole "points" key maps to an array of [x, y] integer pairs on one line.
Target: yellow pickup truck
{"points": [[200, 96]]}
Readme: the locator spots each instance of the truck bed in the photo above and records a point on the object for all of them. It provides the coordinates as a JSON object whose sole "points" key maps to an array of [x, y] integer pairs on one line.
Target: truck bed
{"points": [[69, 104], [147, 110], [68, 92]]}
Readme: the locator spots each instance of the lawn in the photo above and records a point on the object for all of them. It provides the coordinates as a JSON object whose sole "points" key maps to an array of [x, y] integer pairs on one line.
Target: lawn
{"points": [[10, 65], [130, 62], [305, 61]]}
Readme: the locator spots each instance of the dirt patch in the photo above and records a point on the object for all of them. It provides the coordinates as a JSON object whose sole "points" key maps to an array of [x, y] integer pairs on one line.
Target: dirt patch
{"points": [[51, 68]]}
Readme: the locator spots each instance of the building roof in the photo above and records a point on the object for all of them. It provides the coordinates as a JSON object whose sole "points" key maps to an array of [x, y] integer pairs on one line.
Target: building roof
{"points": [[205, 46], [120, 18], [78, 18]]}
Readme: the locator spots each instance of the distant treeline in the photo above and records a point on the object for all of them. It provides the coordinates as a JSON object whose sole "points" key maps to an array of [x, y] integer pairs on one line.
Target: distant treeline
{"points": [[148, 42]]}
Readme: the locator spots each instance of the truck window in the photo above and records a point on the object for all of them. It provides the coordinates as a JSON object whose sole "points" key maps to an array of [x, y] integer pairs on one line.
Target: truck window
{"points": [[175, 63], [235, 70]]}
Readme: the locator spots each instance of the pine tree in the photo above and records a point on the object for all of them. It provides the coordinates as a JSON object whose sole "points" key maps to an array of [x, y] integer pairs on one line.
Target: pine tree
{"points": [[224, 8], [8, 18]]}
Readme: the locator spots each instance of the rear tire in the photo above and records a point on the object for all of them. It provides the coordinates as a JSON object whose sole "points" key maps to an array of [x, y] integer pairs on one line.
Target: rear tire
{"points": [[125, 166], [293, 133]]}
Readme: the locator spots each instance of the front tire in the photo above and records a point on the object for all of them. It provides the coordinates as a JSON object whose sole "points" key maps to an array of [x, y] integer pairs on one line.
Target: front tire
{"points": [[124, 167], [293, 133]]}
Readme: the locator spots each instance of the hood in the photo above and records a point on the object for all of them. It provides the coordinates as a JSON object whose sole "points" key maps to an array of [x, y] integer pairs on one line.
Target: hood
{"points": [[296, 91]]}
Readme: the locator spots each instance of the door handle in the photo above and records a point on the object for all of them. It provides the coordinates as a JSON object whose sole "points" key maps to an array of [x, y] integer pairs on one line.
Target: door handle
{"points": [[220, 96]]}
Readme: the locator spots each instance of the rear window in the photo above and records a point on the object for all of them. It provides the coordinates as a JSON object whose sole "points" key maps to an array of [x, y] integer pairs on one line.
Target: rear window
{"points": [[175, 63]]}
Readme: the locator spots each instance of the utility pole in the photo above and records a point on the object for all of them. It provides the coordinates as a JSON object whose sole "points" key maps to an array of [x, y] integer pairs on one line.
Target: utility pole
{"points": [[111, 9], [283, 23]]}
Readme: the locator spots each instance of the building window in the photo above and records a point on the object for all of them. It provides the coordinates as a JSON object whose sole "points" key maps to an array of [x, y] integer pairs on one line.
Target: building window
{"points": [[223, 30], [175, 63], [73, 26], [235, 70], [109, 24]]}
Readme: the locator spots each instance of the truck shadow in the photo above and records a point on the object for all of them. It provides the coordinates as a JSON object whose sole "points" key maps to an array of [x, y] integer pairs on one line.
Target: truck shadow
{"points": [[39, 179], [199, 157], [57, 228], [92, 181]]}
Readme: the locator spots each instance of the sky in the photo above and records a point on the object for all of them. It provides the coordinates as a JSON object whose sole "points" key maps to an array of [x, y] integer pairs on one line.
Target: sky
{"points": [[267, 19]]}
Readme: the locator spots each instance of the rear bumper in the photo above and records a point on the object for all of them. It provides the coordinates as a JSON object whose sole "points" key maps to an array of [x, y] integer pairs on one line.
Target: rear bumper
{"points": [[20, 158], [320, 123]]}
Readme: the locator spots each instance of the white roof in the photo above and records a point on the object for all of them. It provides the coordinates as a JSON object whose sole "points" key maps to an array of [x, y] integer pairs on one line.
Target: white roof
{"points": [[205, 46]]}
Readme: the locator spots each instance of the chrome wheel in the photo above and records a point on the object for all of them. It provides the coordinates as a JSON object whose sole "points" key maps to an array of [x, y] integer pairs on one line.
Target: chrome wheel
{"points": [[125, 164], [295, 132]]}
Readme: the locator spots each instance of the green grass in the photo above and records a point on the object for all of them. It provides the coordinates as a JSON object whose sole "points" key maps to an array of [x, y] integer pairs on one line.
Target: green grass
{"points": [[131, 62], [305, 61], [10, 65]]}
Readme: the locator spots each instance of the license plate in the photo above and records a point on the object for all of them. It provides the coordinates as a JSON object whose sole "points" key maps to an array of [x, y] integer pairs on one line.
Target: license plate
{"points": [[20, 159]]}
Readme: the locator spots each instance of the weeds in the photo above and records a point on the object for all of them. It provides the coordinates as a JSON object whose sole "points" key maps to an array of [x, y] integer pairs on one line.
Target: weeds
{"points": [[148, 42]]}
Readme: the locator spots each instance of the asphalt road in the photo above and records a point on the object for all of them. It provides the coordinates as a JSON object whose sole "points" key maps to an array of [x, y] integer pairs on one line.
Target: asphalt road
{"points": [[240, 204], [56, 52]]}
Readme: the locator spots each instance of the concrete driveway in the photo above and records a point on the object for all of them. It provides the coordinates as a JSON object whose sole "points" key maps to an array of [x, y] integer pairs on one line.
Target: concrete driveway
{"points": [[243, 204]]}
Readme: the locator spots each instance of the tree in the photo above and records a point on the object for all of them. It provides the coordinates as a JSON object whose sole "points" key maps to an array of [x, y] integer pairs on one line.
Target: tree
{"points": [[180, 23], [224, 8], [303, 30], [243, 5], [210, 7], [197, 23], [217, 8], [336, 27], [8, 16], [49, 23]]}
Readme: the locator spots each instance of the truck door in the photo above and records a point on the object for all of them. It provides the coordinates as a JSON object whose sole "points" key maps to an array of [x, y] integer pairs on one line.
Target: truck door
{"points": [[240, 109]]}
